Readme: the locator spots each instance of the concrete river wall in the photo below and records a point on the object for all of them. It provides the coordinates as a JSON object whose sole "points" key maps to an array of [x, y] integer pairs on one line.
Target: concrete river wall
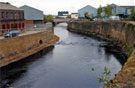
{"points": [[17, 48], [119, 32]]}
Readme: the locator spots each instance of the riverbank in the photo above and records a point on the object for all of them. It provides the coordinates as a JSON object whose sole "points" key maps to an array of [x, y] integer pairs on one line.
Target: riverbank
{"points": [[120, 34], [17, 48]]}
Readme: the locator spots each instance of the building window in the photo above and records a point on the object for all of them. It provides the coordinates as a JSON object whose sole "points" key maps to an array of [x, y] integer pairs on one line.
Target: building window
{"points": [[22, 15], [15, 26], [6, 14], [23, 25], [3, 26], [11, 15], [8, 26], [19, 15], [15, 15], [19, 25], [12, 26], [2, 15]]}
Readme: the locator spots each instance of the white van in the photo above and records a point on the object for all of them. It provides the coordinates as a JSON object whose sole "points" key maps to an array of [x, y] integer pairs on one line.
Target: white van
{"points": [[114, 18]]}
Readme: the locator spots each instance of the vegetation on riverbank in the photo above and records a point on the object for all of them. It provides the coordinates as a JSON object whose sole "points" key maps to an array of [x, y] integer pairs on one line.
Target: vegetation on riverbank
{"points": [[121, 37]]}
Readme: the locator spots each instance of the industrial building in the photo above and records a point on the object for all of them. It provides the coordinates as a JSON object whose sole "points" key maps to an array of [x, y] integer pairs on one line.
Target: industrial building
{"points": [[63, 14], [11, 18], [121, 11], [89, 9], [32, 16]]}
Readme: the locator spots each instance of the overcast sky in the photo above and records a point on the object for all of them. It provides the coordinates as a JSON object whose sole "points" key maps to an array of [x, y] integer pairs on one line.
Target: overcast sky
{"points": [[53, 6]]}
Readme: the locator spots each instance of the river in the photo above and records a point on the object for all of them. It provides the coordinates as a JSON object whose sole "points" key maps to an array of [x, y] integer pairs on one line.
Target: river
{"points": [[76, 61]]}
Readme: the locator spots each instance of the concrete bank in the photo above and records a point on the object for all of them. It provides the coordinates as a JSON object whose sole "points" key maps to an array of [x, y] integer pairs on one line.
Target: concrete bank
{"points": [[17, 48], [121, 33]]}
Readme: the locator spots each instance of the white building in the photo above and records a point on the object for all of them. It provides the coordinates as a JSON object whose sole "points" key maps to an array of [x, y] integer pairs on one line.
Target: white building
{"points": [[74, 16]]}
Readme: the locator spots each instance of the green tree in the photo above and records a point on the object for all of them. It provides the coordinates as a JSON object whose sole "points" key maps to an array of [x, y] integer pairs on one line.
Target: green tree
{"points": [[48, 18], [108, 10], [132, 16], [68, 16], [57, 17], [88, 16], [99, 11]]}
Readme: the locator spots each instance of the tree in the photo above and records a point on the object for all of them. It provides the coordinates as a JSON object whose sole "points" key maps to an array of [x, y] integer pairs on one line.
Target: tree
{"points": [[88, 16], [68, 16], [48, 18], [99, 11], [132, 16], [108, 10], [57, 17]]}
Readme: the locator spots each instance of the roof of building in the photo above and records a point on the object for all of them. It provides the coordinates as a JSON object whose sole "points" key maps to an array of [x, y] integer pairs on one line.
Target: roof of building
{"points": [[8, 6], [88, 6], [25, 6], [128, 6], [31, 13], [74, 13], [123, 6]]}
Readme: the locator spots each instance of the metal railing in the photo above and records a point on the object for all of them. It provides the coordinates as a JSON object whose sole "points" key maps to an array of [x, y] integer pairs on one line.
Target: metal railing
{"points": [[37, 27]]}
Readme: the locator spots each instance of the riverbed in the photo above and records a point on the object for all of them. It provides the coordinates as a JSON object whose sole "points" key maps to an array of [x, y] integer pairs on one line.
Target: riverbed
{"points": [[76, 61]]}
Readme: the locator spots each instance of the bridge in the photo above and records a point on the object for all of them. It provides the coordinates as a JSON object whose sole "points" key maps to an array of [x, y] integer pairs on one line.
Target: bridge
{"points": [[56, 21]]}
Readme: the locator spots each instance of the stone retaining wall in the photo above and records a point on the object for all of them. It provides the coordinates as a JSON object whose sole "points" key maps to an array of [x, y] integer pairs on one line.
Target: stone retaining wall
{"points": [[120, 32], [14, 49]]}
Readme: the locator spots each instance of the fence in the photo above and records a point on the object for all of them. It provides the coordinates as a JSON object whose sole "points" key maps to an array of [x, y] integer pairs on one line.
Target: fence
{"points": [[37, 27]]}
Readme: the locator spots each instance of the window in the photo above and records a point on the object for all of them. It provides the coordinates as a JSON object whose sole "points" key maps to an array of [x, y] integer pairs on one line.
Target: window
{"points": [[19, 25], [12, 26], [6, 14], [2, 14], [3, 26], [15, 25], [20, 15], [23, 25], [8, 26], [15, 15]]}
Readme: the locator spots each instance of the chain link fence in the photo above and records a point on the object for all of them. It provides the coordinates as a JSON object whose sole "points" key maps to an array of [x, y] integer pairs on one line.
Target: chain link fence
{"points": [[32, 27], [38, 27]]}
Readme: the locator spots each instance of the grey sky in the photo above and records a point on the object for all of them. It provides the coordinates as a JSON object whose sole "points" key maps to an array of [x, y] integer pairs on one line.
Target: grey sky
{"points": [[53, 6]]}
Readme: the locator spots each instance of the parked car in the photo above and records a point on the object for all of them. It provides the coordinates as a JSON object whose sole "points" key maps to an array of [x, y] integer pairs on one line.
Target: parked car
{"points": [[114, 18], [10, 34]]}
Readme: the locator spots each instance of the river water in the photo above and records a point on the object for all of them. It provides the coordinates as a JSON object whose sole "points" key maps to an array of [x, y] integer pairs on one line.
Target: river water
{"points": [[76, 61]]}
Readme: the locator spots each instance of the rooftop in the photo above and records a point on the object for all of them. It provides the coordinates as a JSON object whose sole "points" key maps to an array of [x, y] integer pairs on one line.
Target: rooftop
{"points": [[8, 6], [128, 6], [74, 13], [26, 6]]}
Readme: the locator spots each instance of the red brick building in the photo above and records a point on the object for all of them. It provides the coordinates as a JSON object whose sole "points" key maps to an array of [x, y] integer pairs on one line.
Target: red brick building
{"points": [[11, 17]]}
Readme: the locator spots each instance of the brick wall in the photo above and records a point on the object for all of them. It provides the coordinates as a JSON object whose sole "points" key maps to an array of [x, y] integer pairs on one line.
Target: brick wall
{"points": [[11, 20], [28, 22]]}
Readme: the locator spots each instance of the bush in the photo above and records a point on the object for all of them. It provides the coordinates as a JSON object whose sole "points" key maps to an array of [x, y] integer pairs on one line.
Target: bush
{"points": [[48, 18]]}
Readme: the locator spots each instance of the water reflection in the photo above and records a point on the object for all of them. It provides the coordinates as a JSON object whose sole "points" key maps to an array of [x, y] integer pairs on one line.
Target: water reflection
{"points": [[12, 72]]}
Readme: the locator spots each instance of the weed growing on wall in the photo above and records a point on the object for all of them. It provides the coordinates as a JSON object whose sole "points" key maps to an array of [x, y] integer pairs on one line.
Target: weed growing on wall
{"points": [[105, 79]]}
